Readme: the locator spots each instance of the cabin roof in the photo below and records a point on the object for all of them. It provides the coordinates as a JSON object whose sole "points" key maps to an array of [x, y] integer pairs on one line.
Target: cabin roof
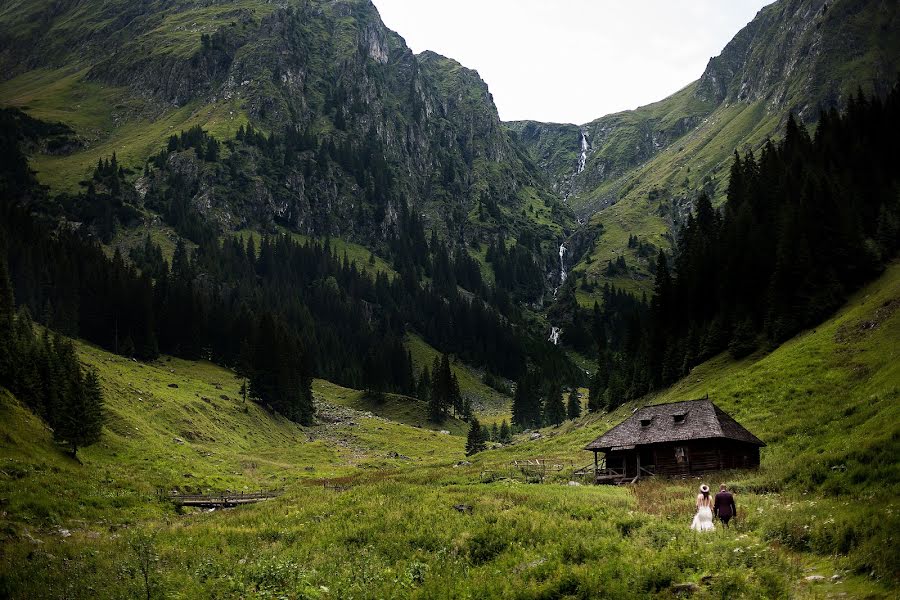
{"points": [[674, 422]]}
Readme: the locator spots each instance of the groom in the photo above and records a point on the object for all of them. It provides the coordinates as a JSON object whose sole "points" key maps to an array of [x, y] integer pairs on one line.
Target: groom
{"points": [[724, 507]]}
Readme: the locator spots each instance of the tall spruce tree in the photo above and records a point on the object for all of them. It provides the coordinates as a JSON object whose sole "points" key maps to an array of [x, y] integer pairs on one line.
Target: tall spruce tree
{"points": [[80, 420], [573, 408], [475, 438], [554, 409]]}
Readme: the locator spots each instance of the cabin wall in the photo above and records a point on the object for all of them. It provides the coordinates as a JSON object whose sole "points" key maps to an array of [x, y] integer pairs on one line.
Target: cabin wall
{"points": [[682, 458], [705, 455]]}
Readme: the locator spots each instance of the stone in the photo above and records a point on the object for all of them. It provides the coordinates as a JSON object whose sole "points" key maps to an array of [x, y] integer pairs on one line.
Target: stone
{"points": [[685, 588], [574, 483], [814, 578], [444, 432], [463, 508], [536, 436], [177, 440]]}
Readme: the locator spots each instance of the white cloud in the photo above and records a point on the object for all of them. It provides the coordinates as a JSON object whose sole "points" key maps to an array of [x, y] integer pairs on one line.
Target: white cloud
{"points": [[573, 60]]}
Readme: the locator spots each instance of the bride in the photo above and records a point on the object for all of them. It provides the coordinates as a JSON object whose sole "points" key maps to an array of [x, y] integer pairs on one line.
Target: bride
{"points": [[703, 520]]}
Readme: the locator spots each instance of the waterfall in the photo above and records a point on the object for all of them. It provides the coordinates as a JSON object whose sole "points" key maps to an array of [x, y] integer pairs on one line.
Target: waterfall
{"points": [[554, 335], [582, 159], [562, 264]]}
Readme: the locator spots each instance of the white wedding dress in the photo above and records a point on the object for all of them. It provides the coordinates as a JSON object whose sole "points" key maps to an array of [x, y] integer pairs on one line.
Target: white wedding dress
{"points": [[703, 520]]}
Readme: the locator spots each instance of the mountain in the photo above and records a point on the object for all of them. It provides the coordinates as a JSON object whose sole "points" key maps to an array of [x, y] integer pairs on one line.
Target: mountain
{"points": [[397, 129], [644, 168]]}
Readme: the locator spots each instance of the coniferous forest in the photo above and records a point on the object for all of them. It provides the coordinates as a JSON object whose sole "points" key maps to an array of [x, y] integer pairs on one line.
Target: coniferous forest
{"points": [[276, 310], [820, 213], [805, 223]]}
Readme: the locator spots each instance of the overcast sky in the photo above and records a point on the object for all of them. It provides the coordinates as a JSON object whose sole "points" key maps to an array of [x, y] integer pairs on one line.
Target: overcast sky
{"points": [[573, 60]]}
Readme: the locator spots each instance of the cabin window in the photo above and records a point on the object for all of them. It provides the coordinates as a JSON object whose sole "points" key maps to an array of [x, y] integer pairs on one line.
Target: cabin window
{"points": [[679, 419], [680, 455], [646, 422]]}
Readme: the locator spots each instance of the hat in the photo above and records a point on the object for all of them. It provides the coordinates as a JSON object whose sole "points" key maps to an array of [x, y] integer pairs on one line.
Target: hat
{"points": [[704, 489]]}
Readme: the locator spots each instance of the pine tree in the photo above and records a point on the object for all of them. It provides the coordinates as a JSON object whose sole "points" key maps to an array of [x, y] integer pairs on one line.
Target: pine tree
{"points": [[505, 433], [474, 440], [81, 417], [573, 409], [526, 405], [554, 409], [423, 386], [455, 397]]}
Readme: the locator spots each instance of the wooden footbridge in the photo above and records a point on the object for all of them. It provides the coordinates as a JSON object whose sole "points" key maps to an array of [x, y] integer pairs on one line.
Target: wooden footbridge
{"points": [[224, 499]]}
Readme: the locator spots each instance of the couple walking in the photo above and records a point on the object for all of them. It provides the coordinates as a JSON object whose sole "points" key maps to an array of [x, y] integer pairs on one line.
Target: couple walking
{"points": [[723, 507]]}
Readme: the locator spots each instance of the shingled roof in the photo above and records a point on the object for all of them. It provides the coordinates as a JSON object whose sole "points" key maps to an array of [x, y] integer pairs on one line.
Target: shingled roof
{"points": [[674, 422]]}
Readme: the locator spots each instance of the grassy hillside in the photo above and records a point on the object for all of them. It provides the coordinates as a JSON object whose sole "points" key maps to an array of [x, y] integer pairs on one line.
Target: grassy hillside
{"points": [[822, 503], [196, 436], [106, 119], [486, 401]]}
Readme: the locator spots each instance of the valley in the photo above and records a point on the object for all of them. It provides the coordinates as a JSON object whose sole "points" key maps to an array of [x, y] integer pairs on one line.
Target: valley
{"points": [[394, 531], [264, 246]]}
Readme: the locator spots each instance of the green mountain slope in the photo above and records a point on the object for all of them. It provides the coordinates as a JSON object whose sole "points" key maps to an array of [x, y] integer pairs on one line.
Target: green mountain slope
{"points": [[644, 167], [397, 129]]}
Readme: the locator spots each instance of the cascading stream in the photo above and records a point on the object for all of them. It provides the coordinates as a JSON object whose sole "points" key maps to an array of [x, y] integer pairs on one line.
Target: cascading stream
{"points": [[556, 331], [554, 335], [582, 159], [562, 264]]}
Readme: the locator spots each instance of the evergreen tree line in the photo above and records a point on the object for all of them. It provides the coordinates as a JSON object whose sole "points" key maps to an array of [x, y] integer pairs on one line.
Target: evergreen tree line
{"points": [[212, 302], [804, 225], [538, 401], [43, 371], [479, 435]]}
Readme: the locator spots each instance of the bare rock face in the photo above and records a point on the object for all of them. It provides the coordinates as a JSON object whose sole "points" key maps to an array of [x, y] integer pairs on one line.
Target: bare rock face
{"points": [[788, 54]]}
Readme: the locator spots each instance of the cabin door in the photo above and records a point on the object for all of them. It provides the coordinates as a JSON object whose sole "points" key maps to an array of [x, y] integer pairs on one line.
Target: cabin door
{"points": [[645, 461]]}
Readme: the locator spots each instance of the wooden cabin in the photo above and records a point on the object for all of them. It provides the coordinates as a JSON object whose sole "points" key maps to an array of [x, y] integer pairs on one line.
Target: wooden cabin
{"points": [[677, 439]]}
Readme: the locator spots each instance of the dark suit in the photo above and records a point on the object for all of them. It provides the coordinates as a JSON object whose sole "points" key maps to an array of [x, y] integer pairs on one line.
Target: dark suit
{"points": [[724, 507]]}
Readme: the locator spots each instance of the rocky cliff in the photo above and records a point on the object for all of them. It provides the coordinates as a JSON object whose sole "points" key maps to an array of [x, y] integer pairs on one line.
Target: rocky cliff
{"points": [[397, 129]]}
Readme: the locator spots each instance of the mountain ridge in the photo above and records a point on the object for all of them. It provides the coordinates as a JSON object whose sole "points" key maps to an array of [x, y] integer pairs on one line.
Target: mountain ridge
{"points": [[645, 167]]}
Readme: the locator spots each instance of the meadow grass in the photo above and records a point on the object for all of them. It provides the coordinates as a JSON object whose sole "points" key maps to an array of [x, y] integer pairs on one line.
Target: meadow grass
{"points": [[417, 522]]}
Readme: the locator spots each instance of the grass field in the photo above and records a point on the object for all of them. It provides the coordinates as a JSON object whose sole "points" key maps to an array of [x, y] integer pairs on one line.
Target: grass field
{"points": [[416, 522]]}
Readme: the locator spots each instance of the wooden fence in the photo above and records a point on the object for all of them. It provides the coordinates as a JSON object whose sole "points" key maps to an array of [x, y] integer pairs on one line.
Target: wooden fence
{"points": [[221, 499]]}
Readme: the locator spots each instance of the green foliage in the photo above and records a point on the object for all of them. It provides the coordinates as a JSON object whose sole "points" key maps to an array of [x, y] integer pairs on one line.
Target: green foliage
{"points": [[573, 406], [554, 409], [475, 439], [80, 419]]}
